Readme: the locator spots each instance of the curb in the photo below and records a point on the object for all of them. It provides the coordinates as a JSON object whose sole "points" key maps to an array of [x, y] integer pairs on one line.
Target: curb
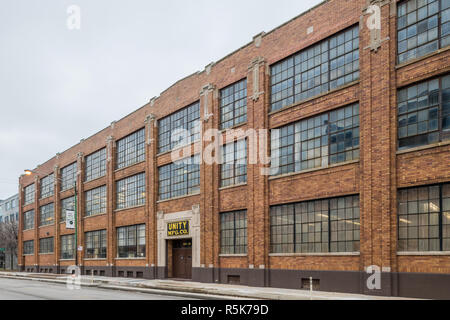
{"points": [[158, 291]]}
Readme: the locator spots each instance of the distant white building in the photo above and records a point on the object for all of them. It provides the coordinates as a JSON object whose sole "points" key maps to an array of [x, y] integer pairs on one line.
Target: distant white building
{"points": [[9, 213]]}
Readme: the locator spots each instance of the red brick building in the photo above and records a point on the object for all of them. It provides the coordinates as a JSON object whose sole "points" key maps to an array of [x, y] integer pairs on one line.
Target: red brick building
{"points": [[363, 110]]}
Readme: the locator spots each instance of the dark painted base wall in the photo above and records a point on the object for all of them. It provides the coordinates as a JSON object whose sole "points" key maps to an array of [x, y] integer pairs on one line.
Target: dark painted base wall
{"points": [[408, 285]]}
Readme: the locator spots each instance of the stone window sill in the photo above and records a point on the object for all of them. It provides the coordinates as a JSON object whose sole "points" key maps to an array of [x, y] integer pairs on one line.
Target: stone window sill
{"points": [[326, 254], [314, 170], [430, 253], [430, 146], [178, 198]]}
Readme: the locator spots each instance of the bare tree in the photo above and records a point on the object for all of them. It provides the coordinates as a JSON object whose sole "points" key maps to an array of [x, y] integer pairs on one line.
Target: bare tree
{"points": [[9, 239]]}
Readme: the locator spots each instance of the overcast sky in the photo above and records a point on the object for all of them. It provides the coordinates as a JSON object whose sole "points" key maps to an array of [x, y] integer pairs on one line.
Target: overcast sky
{"points": [[58, 86]]}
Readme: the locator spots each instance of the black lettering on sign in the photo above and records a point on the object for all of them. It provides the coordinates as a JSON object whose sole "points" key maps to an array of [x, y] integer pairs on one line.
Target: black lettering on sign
{"points": [[180, 228]]}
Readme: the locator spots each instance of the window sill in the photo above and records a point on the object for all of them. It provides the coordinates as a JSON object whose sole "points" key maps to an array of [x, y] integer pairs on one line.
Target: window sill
{"points": [[178, 198], [66, 259], [177, 149], [243, 124], [326, 254], [232, 255], [345, 86], [130, 258], [233, 186], [429, 146], [46, 254], [29, 255], [95, 179], [313, 170], [131, 165], [407, 63], [49, 225], [95, 216], [27, 230], [419, 253], [129, 208], [99, 259]]}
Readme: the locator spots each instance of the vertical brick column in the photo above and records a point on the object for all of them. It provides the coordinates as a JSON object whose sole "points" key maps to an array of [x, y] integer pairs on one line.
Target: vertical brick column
{"points": [[377, 156], [20, 258], [257, 183], [110, 165], [206, 183], [37, 195], [151, 195], [57, 208], [80, 208]]}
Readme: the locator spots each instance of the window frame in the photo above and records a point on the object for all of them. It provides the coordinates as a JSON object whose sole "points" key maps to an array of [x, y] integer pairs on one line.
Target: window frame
{"points": [[68, 247], [123, 234], [44, 214], [440, 220], [133, 188], [233, 102], [167, 178], [44, 243], [95, 167], [69, 175], [29, 220], [25, 247], [291, 154], [438, 39], [235, 165], [102, 240], [168, 124], [29, 194], [443, 134], [47, 186], [292, 224], [130, 150], [91, 203], [289, 82], [235, 230]]}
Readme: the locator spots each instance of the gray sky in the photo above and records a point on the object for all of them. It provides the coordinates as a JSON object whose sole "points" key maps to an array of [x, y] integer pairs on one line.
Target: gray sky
{"points": [[58, 86]]}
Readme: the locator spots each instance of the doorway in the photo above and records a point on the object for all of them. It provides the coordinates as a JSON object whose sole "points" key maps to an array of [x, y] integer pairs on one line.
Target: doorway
{"points": [[182, 259]]}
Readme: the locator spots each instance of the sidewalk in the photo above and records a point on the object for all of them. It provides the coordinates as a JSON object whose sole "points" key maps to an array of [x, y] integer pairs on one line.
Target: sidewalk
{"points": [[194, 290]]}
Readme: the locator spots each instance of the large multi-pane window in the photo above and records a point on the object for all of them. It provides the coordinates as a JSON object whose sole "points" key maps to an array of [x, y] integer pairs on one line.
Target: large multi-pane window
{"points": [[28, 247], [170, 128], [316, 142], [47, 186], [234, 163], [46, 245], [424, 113], [321, 226], [96, 165], [95, 243], [28, 220], [47, 215], [179, 178], [67, 204], [423, 27], [131, 242], [29, 194], [68, 177], [323, 67], [130, 192], [95, 201], [233, 232], [424, 219], [233, 105], [68, 247], [131, 149]]}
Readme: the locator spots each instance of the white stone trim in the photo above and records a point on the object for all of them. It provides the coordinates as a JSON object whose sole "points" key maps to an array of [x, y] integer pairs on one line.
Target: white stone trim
{"points": [[193, 216]]}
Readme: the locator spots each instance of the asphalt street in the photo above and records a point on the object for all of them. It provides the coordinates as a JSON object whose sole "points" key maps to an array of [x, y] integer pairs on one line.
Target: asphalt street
{"points": [[11, 289]]}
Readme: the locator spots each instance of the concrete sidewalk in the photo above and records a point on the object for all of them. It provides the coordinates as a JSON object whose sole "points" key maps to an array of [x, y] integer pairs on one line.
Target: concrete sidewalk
{"points": [[194, 289]]}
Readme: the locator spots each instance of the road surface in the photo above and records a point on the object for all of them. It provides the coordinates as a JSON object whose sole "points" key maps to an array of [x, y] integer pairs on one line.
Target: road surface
{"points": [[12, 289]]}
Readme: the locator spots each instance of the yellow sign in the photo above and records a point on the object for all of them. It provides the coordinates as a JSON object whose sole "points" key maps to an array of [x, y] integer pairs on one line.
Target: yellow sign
{"points": [[180, 228]]}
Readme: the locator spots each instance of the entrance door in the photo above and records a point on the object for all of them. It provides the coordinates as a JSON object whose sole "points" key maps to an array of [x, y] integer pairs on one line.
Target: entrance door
{"points": [[182, 259]]}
